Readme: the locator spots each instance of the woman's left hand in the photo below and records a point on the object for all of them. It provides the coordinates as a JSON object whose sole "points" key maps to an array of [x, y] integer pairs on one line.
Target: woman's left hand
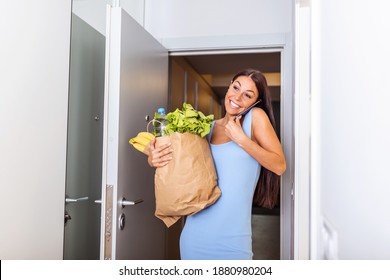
{"points": [[234, 131]]}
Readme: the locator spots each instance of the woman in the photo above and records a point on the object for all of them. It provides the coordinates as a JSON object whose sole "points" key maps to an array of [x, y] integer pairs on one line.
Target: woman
{"points": [[247, 153]]}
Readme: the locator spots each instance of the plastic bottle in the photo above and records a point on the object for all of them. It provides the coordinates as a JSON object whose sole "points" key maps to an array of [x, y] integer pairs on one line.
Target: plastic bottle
{"points": [[160, 122]]}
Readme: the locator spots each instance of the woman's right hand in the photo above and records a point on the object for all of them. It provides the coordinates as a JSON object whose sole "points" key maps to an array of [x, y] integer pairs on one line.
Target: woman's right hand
{"points": [[159, 156]]}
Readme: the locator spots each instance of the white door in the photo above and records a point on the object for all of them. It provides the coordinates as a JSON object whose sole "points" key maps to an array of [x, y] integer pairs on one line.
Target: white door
{"points": [[85, 141], [136, 85]]}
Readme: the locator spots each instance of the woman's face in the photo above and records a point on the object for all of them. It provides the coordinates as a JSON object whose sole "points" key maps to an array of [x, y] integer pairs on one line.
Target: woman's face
{"points": [[241, 94]]}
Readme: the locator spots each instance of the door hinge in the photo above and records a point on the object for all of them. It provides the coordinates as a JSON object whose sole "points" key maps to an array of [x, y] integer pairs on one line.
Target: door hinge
{"points": [[108, 223]]}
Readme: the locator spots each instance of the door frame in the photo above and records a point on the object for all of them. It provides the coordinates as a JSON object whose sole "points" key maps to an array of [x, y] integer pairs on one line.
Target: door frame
{"points": [[280, 42]]}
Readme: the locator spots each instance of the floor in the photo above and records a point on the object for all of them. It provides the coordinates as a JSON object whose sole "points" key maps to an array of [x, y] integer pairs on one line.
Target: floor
{"points": [[266, 237]]}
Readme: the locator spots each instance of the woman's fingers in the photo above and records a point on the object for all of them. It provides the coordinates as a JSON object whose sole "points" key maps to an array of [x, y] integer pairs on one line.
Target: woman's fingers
{"points": [[237, 120], [163, 150], [234, 131], [152, 144], [160, 156]]}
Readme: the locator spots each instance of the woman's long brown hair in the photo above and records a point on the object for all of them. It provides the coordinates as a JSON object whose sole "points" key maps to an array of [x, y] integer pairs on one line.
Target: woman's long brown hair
{"points": [[267, 189]]}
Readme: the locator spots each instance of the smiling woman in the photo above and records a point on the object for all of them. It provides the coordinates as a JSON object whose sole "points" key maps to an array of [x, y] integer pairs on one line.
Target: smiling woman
{"points": [[247, 154], [243, 91]]}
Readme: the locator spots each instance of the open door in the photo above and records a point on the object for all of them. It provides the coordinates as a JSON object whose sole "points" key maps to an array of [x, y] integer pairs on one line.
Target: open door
{"points": [[136, 84], [85, 140]]}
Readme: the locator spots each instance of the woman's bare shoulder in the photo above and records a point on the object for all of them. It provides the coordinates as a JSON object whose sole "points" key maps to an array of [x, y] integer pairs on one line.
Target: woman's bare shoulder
{"points": [[259, 115]]}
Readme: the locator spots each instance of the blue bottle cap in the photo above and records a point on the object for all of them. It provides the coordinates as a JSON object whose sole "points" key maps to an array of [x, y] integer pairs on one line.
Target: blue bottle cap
{"points": [[161, 110]]}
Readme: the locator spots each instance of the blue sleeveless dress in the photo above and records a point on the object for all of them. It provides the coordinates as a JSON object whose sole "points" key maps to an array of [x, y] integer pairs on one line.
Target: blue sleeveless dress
{"points": [[223, 231]]}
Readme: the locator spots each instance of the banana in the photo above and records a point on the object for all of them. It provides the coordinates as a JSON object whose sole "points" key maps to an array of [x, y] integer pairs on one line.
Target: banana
{"points": [[139, 147], [146, 135], [141, 141]]}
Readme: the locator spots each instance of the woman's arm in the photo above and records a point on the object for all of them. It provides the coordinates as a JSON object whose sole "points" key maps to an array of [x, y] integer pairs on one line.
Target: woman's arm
{"points": [[264, 146]]}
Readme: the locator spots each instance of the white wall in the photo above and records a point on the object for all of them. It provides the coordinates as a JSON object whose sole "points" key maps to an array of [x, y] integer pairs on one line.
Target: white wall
{"points": [[93, 12], [34, 70], [351, 129], [200, 18], [177, 18]]}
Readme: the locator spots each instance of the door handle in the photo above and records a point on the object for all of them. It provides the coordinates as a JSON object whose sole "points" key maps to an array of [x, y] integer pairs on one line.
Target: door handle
{"points": [[73, 200], [67, 217], [124, 202]]}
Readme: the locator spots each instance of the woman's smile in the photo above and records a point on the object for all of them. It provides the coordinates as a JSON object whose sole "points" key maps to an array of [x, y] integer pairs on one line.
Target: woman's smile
{"points": [[234, 105]]}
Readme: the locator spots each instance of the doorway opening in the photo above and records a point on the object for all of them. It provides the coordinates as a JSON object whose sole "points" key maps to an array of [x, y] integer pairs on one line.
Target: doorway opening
{"points": [[201, 79]]}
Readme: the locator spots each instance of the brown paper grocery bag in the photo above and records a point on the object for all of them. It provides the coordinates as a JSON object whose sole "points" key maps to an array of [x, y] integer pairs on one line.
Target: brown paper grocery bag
{"points": [[188, 183]]}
